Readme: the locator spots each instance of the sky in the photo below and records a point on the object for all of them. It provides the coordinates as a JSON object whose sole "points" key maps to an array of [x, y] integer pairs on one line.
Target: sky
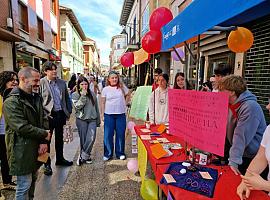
{"points": [[99, 20]]}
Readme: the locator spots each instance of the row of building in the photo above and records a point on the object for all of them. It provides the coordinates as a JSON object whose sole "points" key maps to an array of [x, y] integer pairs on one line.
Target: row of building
{"points": [[254, 64], [34, 31]]}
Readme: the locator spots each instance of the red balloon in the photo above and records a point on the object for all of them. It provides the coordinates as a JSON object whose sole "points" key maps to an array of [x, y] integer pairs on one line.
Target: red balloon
{"points": [[127, 59], [159, 18], [151, 41]]}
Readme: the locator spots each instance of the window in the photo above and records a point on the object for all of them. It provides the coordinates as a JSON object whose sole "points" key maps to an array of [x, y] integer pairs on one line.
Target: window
{"points": [[54, 37], [118, 46], [40, 29], [23, 16], [53, 6], [63, 34], [145, 20]]}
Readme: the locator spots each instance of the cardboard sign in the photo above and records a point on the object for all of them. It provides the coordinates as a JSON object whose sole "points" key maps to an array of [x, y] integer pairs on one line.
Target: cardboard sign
{"points": [[199, 118]]}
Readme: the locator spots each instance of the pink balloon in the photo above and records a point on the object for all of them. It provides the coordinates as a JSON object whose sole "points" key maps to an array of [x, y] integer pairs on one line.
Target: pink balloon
{"points": [[130, 125], [180, 53], [127, 59], [132, 165], [133, 132], [151, 41], [159, 18]]}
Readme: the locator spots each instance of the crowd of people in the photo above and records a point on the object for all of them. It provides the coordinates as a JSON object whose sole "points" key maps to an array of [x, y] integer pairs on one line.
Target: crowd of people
{"points": [[32, 109]]}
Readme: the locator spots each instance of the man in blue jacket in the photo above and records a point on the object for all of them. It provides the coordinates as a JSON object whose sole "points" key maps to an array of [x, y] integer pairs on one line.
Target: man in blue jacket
{"points": [[246, 123]]}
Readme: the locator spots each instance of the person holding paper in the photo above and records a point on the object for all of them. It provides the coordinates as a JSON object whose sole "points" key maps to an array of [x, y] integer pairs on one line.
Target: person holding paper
{"points": [[87, 118], [26, 133], [158, 105], [252, 179], [246, 123], [113, 106]]}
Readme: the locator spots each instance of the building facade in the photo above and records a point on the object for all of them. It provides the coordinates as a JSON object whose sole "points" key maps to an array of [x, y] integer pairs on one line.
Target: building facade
{"points": [[35, 22], [118, 46], [91, 57], [72, 37]]}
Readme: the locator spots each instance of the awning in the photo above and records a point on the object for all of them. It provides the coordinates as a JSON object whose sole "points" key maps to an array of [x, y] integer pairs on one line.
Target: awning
{"points": [[6, 35], [202, 15]]}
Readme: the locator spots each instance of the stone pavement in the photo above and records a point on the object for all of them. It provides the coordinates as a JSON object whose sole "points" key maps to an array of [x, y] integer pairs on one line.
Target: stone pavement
{"points": [[99, 180]]}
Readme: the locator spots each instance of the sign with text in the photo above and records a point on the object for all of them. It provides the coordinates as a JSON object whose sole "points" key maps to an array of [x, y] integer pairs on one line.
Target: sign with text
{"points": [[140, 102], [199, 118]]}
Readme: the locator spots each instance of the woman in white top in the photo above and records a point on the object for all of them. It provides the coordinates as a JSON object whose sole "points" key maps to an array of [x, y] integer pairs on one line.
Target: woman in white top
{"points": [[252, 179], [158, 107], [113, 105]]}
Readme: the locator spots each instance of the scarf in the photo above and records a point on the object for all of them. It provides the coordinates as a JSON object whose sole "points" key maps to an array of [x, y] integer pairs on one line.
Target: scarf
{"points": [[233, 108]]}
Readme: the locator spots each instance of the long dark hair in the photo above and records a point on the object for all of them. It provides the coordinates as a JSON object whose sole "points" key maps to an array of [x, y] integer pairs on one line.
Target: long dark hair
{"points": [[5, 77], [89, 94], [187, 84]]}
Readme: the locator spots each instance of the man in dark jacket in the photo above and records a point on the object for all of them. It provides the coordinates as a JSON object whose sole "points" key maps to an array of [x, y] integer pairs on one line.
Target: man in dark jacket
{"points": [[58, 107], [25, 133]]}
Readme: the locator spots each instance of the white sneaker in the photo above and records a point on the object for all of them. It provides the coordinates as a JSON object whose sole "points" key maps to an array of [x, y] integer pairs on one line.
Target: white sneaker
{"points": [[79, 161], [105, 158], [122, 157], [89, 161]]}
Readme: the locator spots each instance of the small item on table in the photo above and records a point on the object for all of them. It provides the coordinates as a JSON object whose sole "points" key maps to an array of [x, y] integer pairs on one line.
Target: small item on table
{"points": [[192, 168], [144, 130], [183, 171], [158, 151], [176, 146], [186, 164], [161, 128], [169, 178], [147, 124], [153, 141], [155, 134], [145, 137], [206, 175], [169, 153], [163, 140], [201, 157]]}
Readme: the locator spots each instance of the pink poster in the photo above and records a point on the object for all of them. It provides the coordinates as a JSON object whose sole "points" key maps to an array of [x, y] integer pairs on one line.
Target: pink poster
{"points": [[199, 118]]}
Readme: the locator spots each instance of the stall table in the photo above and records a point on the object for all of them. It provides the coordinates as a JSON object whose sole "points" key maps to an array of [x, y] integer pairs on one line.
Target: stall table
{"points": [[225, 186]]}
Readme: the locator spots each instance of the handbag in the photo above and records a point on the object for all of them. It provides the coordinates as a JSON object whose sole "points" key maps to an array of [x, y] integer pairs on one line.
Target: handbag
{"points": [[67, 133]]}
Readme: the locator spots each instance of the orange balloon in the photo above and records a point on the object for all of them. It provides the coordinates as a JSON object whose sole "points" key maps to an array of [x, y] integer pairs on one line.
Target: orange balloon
{"points": [[240, 40]]}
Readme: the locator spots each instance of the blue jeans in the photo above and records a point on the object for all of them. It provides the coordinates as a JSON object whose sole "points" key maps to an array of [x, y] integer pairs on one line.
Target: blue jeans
{"points": [[87, 133], [114, 123], [26, 186]]}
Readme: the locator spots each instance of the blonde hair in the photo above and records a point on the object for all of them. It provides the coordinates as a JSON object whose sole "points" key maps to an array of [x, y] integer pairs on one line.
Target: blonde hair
{"points": [[233, 83]]}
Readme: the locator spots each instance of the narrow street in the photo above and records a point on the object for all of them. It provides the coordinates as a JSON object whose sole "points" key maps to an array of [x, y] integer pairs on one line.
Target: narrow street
{"points": [[99, 180]]}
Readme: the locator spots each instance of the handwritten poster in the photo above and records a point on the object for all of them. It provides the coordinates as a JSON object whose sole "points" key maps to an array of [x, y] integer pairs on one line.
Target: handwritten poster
{"points": [[140, 102], [199, 118]]}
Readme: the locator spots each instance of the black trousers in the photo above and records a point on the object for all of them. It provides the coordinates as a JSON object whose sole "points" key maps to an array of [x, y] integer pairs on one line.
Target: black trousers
{"points": [[56, 124], [4, 162]]}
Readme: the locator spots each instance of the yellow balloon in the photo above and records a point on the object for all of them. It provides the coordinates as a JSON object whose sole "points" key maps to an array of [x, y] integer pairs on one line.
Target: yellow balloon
{"points": [[149, 190], [240, 40], [140, 56]]}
